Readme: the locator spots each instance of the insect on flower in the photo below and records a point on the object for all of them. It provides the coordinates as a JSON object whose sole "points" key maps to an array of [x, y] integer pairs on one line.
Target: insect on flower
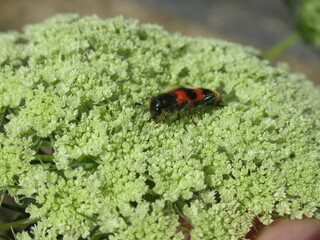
{"points": [[182, 98]]}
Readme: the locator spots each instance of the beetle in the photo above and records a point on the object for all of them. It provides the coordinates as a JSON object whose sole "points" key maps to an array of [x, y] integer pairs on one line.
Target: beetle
{"points": [[182, 98]]}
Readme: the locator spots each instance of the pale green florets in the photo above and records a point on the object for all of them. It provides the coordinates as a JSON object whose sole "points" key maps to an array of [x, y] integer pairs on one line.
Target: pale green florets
{"points": [[73, 84]]}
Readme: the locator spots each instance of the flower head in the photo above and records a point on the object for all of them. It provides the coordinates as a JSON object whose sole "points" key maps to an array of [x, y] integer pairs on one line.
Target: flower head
{"points": [[91, 164]]}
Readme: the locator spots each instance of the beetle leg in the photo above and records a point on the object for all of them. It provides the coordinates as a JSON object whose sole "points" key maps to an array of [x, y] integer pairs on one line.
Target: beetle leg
{"points": [[166, 113], [194, 123], [188, 109]]}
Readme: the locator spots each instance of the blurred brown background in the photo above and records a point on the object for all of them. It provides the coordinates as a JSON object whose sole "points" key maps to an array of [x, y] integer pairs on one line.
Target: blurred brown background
{"points": [[256, 23]]}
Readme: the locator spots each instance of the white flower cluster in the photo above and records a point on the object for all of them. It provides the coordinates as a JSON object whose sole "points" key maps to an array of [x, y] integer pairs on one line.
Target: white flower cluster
{"points": [[92, 165]]}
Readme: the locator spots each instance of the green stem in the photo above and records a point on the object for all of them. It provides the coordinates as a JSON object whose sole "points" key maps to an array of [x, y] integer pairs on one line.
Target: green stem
{"points": [[45, 143], [184, 230], [44, 158], [10, 186], [281, 46], [12, 207], [148, 177], [87, 217], [2, 114], [96, 236], [178, 210], [17, 224]]}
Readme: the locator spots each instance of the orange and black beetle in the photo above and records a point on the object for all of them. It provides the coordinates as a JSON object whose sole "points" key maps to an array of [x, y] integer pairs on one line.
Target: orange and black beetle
{"points": [[181, 98]]}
